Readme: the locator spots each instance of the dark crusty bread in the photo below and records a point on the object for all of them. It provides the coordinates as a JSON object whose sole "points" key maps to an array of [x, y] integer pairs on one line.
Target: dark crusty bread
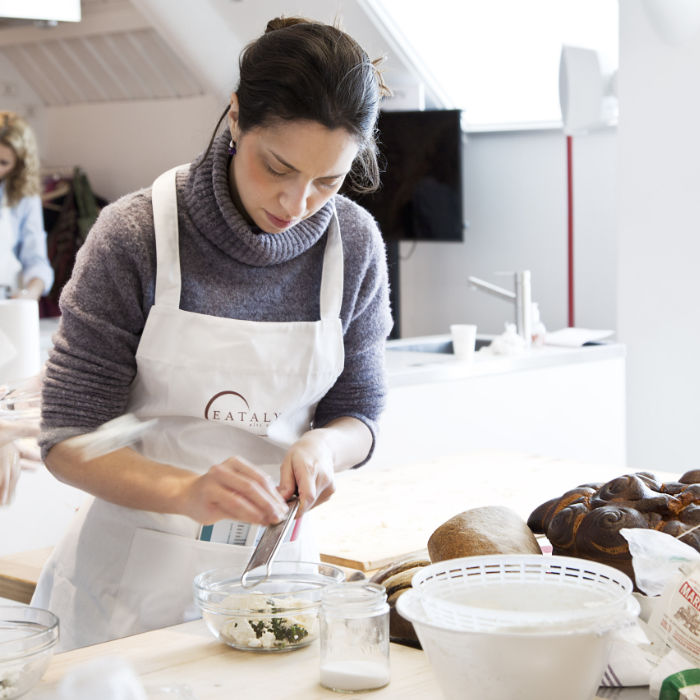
{"points": [[586, 521], [484, 530], [396, 579], [400, 581], [396, 567]]}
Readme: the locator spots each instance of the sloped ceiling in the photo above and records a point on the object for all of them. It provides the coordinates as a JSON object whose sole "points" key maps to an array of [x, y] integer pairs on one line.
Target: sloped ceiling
{"points": [[158, 49], [214, 34], [114, 53]]}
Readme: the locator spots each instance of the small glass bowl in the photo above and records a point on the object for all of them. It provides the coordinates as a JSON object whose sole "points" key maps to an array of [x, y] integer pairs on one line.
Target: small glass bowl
{"points": [[279, 613], [27, 639]]}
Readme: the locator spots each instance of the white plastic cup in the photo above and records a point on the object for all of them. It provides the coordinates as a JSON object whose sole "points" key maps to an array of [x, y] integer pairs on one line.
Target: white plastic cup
{"points": [[463, 341]]}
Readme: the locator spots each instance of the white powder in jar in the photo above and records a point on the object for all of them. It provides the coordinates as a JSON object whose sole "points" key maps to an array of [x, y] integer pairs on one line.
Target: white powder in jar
{"points": [[354, 674]]}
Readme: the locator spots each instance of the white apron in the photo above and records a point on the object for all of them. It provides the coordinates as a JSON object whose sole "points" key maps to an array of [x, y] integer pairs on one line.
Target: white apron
{"points": [[220, 387], [10, 266]]}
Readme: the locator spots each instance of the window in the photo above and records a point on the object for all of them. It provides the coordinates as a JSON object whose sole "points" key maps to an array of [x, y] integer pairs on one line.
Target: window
{"points": [[498, 60]]}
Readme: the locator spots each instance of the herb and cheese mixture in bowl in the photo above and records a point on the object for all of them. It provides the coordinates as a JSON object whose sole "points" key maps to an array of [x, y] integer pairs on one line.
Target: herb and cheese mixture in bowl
{"points": [[277, 614], [266, 622]]}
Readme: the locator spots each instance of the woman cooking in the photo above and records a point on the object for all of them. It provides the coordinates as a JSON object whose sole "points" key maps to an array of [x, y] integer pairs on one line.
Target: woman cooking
{"points": [[243, 303], [25, 271]]}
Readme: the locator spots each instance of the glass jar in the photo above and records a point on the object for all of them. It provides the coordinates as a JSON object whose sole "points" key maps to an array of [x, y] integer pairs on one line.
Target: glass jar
{"points": [[354, 637]]}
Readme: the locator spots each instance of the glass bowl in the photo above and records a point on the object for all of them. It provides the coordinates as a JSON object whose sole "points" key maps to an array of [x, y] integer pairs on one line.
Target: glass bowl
{"points": [[27, 639], [277, 614]]}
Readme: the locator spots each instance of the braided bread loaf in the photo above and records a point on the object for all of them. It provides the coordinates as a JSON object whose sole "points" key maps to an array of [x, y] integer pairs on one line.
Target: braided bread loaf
{"points": [[586, 521]]}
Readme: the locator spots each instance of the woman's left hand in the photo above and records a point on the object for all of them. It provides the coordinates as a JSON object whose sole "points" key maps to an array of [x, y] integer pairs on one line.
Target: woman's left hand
{"points": [[308, 468]]}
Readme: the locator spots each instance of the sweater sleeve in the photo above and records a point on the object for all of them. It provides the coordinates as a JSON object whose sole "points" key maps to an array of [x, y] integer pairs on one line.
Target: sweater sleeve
{"points": [[360, 390], [103, 310]]}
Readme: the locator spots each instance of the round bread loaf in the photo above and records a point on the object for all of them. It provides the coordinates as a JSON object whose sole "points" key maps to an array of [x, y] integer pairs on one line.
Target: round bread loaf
{"points": [[484, 530]]}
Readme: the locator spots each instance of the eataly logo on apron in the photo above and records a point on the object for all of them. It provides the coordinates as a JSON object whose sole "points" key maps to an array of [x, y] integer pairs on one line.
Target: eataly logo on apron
{"points": [[232, 407]]}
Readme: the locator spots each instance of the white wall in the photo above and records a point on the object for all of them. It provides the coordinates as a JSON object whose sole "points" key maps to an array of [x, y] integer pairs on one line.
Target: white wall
{"points": [[659, 241], [516, 203], [16, 95], [123, 146]]}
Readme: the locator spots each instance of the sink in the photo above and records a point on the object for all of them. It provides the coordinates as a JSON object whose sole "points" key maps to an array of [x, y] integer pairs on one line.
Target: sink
{"points": [[437, 345]]}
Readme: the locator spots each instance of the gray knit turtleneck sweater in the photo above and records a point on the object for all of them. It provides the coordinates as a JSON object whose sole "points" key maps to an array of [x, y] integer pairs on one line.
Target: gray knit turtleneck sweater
{"points": [[229, 269]]}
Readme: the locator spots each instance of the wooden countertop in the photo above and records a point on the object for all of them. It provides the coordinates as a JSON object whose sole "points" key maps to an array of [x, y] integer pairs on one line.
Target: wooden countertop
{"points": [[379, 515], [375, 515], [19, 573], [188, 655]]}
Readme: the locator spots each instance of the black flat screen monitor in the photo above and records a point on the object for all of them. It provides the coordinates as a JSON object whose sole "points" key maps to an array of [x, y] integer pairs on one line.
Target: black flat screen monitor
{"points": [[420, 198]]}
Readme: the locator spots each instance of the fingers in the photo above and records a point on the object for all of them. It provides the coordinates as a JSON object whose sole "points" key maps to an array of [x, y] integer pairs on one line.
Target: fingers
{"points": [[246, 493], [325, 494], [311, 473], [235, 506], [306, 485], [288, 484]]}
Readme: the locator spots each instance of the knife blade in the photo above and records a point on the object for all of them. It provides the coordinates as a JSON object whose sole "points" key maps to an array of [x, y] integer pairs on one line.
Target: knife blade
{"points": [[269, 543]]}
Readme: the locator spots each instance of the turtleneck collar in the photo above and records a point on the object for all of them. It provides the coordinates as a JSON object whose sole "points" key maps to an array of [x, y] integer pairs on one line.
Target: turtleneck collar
{"points": [[209, 204]]}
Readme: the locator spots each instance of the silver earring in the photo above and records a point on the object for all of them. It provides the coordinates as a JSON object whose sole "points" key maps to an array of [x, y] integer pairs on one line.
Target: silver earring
{"points": [[232, 147]]}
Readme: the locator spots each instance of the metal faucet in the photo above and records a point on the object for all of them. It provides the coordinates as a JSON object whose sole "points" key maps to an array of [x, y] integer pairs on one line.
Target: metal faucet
{"points": [[522, 297]]}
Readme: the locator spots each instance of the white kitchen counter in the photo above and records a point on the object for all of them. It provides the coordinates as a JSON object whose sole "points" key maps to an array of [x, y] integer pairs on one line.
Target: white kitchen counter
{"points": [[553, 401], [411, 367]]}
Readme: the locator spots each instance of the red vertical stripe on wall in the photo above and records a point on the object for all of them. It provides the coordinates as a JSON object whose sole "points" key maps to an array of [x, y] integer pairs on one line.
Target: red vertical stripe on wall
{"points": [[570, 237]]}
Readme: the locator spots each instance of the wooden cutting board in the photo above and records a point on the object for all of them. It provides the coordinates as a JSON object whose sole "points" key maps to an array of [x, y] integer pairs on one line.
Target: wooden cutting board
{"points": [[379, 515]]}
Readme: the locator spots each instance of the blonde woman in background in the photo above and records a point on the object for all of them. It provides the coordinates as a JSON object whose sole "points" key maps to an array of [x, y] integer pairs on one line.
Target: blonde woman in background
{"points": [[25, 271]]}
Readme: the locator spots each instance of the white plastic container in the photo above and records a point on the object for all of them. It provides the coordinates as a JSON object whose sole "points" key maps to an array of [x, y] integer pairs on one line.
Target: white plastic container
{"points": [[523, 626]]}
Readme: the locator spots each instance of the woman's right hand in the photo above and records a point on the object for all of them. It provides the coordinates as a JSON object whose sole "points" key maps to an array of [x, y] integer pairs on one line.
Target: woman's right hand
{"points": [[234, 490]]}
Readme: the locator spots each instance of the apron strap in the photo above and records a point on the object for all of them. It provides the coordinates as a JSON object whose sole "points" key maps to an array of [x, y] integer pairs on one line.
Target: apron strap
{"points": [[164, 195], [332, 275]]}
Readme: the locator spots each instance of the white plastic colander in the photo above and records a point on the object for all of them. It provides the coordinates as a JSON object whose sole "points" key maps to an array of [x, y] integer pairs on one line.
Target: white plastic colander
{"points": [[530, 627], [523, 593]]}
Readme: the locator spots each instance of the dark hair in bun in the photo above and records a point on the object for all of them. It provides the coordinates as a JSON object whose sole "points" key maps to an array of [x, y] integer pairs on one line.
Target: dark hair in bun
{"points": [[305, 70]]}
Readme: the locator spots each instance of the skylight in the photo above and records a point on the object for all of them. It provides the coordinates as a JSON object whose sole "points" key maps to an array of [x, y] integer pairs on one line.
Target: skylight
{"points": [[498, 60]]}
